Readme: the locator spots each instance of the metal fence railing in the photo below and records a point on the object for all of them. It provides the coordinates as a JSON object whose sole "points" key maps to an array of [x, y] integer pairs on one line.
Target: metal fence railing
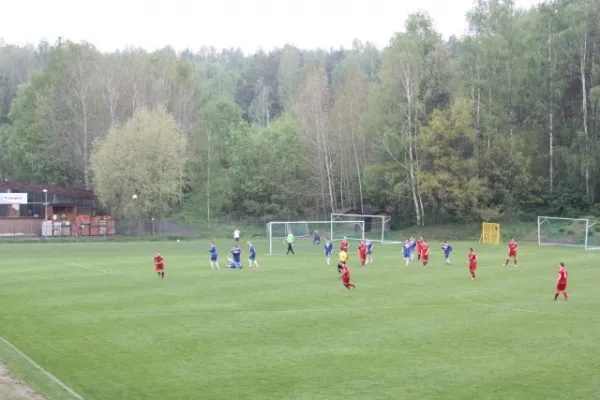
{"points": [[28, 228]]}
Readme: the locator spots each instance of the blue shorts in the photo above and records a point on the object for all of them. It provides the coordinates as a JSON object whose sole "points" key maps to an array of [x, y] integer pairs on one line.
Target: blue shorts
{"points": [[237, 240], [446, 255], [213, 258], [252, 258], [369, 252], [327, 253]]}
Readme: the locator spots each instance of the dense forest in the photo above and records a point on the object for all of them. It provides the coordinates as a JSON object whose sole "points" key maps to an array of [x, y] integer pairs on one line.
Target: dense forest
{"points": [[501, 123]]}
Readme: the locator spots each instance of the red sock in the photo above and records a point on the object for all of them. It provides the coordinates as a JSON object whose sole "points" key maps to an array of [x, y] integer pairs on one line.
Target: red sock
{"points": [[556, 295], [566, 296], [473, 273]]}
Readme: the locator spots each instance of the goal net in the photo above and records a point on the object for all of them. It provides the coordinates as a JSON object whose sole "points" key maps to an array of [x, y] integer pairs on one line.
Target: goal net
{"points": [[376, 227], [305, 231], [573, 232]]}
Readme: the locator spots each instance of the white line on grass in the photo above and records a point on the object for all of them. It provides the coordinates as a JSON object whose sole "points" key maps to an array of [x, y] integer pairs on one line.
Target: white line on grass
{"points": [[41, 369], [292, 311], [84, 267]]}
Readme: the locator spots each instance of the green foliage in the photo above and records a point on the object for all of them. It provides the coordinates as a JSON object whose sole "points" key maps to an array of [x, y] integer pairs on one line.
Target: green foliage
{"points": [[147, 156], [503, 123], [449, 179], [28, 152], [267, 174]]}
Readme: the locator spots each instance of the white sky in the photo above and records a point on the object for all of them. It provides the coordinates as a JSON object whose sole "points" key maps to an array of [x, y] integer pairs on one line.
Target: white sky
{"points": [[248, 24]]}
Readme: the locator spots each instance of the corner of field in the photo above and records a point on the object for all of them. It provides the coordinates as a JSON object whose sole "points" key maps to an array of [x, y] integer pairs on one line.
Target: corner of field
{"points": [[22, 379]]}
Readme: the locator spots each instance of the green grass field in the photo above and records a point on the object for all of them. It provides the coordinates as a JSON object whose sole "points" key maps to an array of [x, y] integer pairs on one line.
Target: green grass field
{"points": [[96, 317]]}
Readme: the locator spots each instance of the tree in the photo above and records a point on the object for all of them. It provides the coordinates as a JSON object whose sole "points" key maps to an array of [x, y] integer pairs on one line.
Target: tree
{"points": [[400, 104], [449, 181], [217, 120], [312, 110], [28, 152], [147, 156], [289, 75], [349, 121], [70, 107]]}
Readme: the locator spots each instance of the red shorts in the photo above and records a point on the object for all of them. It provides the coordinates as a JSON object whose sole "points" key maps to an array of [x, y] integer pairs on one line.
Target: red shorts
{"points": [[346, 279], [160, 267], [473, 267], [512, 254], [363, 256], [425, 257], [561, 286]]}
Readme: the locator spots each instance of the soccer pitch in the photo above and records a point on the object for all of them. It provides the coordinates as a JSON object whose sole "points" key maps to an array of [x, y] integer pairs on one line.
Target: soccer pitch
{"points": [[97, 319]]}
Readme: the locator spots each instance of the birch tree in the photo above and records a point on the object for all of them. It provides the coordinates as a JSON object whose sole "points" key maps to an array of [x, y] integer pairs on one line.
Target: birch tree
{"points": [[312, 108], [400, 78], [70, 105]]}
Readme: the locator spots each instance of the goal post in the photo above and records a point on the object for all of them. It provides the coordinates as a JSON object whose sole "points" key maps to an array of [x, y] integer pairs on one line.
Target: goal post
{"points": [[305, 231], [572, 232], [376, 227], [490, 233]]}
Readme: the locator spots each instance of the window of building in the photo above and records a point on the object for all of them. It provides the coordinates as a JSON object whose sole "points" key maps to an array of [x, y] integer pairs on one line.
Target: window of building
{"points": [[32, 210]]}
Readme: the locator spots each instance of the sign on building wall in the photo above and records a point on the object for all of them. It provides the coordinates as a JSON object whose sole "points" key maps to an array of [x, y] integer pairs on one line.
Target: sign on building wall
{"points": [[13, 198]]}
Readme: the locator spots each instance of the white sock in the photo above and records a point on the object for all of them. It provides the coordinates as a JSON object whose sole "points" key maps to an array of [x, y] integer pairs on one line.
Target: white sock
{"points": [[328, 261], [217, 264], [211, 265]]}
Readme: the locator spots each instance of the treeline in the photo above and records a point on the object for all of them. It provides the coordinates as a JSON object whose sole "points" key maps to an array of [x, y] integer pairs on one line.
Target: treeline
{"points": [[503, 122]]}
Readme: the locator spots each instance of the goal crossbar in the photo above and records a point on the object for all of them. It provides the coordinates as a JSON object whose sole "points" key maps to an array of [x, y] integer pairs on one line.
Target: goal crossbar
{"points": [[385, 219], [570, 232], [325, 224]]}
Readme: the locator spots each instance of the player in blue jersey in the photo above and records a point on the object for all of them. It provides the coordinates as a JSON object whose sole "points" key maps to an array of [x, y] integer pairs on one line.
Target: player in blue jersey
{"points": [[447, 250], [252, 256], [213, 255], [328, 250], [369, 251], [407, 252], [413, 247], [236, 254], [316, 238]]}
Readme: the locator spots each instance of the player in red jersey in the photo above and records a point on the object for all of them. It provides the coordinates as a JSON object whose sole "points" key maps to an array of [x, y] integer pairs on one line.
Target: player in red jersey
{"points": [[345, 275], [420, 246], [472, 263], [561, 282], [344, 244], [362, 252], [159, 265], [512, 252], [424, 254]]}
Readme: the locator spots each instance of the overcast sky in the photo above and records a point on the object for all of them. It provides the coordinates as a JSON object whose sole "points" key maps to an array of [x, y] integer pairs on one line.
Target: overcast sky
{"points": [[248, 24]]}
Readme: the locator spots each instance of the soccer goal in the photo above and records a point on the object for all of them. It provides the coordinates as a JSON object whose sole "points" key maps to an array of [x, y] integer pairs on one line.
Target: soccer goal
{"points": [[376, 227], [305, 231], [573, 232]]}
